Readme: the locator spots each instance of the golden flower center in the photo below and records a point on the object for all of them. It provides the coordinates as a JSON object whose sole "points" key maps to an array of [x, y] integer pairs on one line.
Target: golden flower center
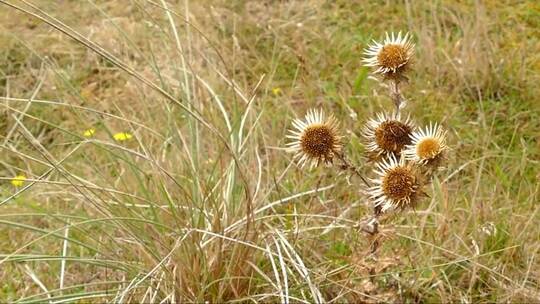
{"points": [[392, 56], [318, 141], [393, 135], [428, 148], [399, 183]]}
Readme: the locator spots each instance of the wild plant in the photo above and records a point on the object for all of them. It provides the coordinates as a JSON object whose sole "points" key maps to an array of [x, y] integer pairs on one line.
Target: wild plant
{"points": [[403, 157]]}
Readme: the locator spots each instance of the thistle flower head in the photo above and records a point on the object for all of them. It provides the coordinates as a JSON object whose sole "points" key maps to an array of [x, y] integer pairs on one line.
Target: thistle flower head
{"points": [[397, 186], [392, 57], [315, 139], [387, 133], [428, 146]]}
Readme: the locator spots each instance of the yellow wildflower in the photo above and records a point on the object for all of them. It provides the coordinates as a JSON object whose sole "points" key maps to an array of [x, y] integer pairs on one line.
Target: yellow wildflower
{"points": [[276, 91], [89, 133], [18, 180], [122, 136]]}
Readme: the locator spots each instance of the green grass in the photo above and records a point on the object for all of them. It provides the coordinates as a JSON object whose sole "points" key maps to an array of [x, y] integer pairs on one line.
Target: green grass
{"points": [[203, 203]]}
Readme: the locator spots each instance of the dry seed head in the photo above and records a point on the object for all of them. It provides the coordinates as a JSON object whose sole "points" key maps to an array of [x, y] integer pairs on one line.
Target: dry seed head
{"points": [[393, 135], [428, 146], [392, 57], [318, 141], [398, 185], [387, 134], [315, 139]]}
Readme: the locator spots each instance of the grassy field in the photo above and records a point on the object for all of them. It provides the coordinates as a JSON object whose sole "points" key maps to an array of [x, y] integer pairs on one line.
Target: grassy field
{"points": [[151, 135]]}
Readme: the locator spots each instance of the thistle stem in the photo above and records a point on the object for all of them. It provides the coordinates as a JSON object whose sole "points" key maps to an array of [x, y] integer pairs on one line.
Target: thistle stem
{"points": [[371, 225], [346, 165], [395, 94]]}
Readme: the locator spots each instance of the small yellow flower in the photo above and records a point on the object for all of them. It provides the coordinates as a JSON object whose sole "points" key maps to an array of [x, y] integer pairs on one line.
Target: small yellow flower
{"points": [[18, 180], [89, 133], [122, 136], [276, 91]]}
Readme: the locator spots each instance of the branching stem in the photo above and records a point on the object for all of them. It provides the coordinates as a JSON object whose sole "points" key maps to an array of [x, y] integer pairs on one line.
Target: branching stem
{"points": [[347, 165], [371, 225]]}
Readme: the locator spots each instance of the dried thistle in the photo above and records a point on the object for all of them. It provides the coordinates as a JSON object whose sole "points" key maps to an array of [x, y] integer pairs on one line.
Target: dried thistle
{"points": [[404, 156], [428, 147], [315, 139], [392, 57], [387, 134], [398, 185]]}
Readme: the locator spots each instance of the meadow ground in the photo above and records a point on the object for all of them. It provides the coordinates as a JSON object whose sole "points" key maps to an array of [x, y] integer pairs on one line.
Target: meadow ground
{"points": [[197, 200]]}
